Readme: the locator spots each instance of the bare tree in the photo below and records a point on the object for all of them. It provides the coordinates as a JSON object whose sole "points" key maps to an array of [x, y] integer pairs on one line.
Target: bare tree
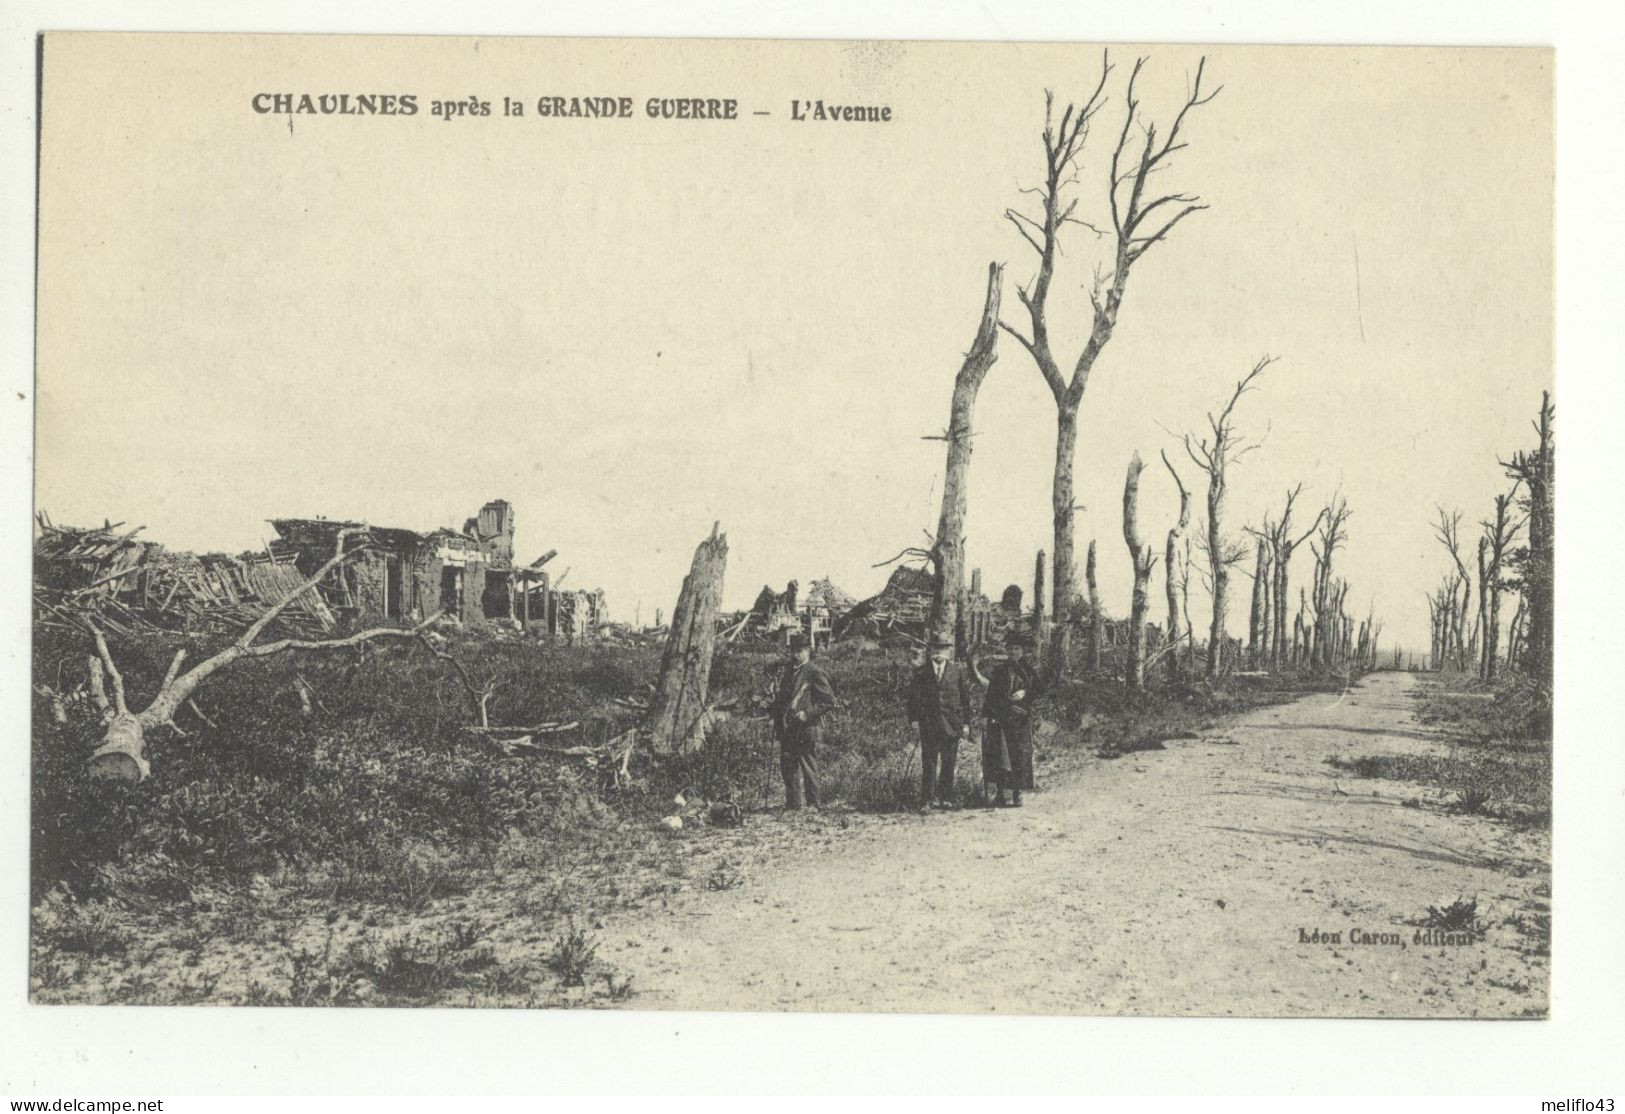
{"points": [[1214, 457], [1445, 615], [1328, 594], [1144, 561], [1532, 566], [1258, 615], [948, 567], [122, 753], [1515, 634], [1185, 563], [1170, 573], [1448, 531], [1278, 534], [1097, 621], [1230, 554], [1300, 630], [1140, 219], [1499, 534]]}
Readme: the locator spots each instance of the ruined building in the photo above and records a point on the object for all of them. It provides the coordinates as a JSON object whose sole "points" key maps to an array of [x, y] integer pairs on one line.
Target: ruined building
{"points": [[813, 612], [903, 607], [470, 575]]}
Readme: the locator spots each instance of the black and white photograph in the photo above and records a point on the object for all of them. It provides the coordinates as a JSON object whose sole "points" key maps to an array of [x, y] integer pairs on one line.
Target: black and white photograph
{"points": [[860, 527]]}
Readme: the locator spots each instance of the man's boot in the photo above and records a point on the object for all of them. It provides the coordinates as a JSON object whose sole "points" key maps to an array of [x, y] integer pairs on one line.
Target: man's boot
{"points": [[1015, 798]]}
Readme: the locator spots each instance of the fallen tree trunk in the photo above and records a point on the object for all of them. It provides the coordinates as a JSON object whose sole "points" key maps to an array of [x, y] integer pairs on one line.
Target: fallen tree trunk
{"points": [[677, 717], [122, 753]]}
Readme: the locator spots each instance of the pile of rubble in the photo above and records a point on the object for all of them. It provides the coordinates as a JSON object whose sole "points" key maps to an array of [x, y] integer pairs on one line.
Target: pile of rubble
{"points": [[134, 585]]}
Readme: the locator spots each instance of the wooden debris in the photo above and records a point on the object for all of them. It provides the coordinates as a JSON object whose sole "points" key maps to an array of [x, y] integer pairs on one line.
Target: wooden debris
{"points": [[133, 586]]}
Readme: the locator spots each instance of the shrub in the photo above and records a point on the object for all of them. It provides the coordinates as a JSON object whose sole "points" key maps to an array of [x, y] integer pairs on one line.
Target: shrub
{"points": [[1456, 915], [323, 978], [90, 929], [572, 956]]}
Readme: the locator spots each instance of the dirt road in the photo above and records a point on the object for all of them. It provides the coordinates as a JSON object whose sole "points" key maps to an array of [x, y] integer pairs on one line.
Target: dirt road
{"points": [[1184, 881]]}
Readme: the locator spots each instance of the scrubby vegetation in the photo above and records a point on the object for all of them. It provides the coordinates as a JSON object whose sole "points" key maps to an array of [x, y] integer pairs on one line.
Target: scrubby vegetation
{"points": [[1501, 763], [325, 840]]}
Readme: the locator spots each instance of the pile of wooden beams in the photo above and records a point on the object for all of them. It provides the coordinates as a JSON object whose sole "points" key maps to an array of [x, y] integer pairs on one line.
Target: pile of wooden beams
{"points": [[134, 584]]}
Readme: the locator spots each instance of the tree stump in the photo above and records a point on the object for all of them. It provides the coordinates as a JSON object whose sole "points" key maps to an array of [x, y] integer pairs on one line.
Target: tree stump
{"points": [[677, 717]]}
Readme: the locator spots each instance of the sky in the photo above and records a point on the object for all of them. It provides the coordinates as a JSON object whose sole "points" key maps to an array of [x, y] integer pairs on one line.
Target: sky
{"points": [[633, 328]]}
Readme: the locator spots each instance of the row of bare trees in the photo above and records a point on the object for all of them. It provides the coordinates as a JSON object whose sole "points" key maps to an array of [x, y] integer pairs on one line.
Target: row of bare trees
{"points": [[1142, 217], [1322, 635], [1465, 637]]}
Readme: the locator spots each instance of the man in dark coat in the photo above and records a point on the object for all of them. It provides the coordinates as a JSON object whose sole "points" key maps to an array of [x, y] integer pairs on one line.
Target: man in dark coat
{"points": [[801, 700], [1007, 744], [940, 707]]}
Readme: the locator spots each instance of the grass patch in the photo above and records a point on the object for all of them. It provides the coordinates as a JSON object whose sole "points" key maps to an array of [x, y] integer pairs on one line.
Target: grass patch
{"points": [[1507, 787], [1493, 767], [1512, 713], [89, 930]]}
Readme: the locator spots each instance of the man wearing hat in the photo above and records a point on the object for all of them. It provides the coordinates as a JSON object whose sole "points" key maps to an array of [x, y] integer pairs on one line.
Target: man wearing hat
{"points": [[1007, 744], [801, 699], [940, 708]]}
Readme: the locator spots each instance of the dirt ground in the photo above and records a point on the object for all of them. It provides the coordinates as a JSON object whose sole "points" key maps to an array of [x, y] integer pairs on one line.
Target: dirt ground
{"points": [[1186, 881]]}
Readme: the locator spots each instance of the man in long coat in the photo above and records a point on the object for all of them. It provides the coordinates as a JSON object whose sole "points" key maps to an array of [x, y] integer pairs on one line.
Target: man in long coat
{"points": [[801, 700], [1007, 744], [940, 707]]}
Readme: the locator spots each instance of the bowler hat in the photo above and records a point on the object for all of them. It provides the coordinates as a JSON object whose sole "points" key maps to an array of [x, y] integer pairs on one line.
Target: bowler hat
{"points": [[938, 642], [799, 641]]}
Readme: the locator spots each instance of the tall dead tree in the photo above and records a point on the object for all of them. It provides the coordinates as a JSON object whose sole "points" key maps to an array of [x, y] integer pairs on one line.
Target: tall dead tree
{"points": [[1531, 566], [1144, 561], [1515, 635], [1040, 624], [1140, 219], [1214, 457], [1499, 534], [1258, 614], [1328, 594], [122, 754], [948, 566], [1185, 605], [677, 714], [1481, 645], [1444, 614], [1097, 621], [1448, 531], [1278, 534], [1300, 630], [1266, 620], [1170, 573]]}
